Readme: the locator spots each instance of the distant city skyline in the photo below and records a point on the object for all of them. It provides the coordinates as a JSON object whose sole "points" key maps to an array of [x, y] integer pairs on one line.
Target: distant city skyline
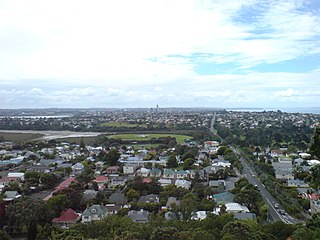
{"points": [[182, 53]]}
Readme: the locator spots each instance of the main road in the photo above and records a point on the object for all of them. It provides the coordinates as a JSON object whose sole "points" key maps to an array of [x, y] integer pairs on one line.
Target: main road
{"points": [[275, 210]]}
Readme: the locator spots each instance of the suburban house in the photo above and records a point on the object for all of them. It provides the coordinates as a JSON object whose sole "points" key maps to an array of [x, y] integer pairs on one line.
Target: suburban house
{"points": [[236, 208], [93, 213], [155, 172], [6, 180], [283, 170], [18, 175], [144, 172], [113, 208], [296, 183], [140, 216], [164, 182], [10, 196], [39, 169], [77, 168], [172, 201], [130, 168], [101, 181], [218, 185], [67, 218], [117, 198], [199, 215], [182, 174], [113, 169], [183, 183], [150, 198], [169, 173], [118, 181]]}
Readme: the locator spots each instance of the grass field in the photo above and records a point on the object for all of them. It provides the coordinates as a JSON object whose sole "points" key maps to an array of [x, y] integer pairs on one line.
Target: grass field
{"points": [[146, 137], [120, 124], [18, 137]]}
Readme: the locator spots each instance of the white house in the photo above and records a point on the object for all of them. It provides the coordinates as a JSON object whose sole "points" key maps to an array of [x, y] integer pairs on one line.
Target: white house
{"points": [[183, 183], [130, 168], [236, 208], [144, 172], [17, 175]]}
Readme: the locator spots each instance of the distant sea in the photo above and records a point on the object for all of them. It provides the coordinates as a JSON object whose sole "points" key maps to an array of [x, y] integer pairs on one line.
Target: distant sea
{"points": [[314, 110], [43, 116]]}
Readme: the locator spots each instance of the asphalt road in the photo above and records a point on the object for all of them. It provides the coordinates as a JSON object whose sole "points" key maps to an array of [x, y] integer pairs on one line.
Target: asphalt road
{"points": [[275, 211]]}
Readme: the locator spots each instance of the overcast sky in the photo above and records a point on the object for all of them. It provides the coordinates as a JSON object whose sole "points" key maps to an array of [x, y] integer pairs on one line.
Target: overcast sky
{"points": [[175, 53]]}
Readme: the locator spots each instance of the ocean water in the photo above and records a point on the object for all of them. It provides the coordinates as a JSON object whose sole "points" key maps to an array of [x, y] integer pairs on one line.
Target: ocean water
{"points": [[313, 110]]}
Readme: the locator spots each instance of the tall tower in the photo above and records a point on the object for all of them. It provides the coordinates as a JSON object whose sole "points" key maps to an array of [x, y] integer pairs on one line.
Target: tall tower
{"points": [[157, 110]]}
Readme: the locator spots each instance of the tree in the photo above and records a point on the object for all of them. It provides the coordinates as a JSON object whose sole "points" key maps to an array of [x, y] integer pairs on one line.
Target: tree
{"points": [[279, 230], [132, 195], [188, 206], [249, 196], [314, 148], [303, 233], [242, 231], [315, 176], [112, 157], [86, 176], [74, 193], [164, 233], [314, 221], [48, 180], [68, 234], [4, 235], [27, 212], [188, 163], [101, 198], [58, 203], [172, 162]]}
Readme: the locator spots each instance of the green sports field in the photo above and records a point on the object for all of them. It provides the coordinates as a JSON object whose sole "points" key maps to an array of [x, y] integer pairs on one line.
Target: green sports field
{"points": [[145, 137]]}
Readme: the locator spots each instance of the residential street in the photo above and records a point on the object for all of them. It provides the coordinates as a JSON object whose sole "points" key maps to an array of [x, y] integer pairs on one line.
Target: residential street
{"points": [[276, 211]]}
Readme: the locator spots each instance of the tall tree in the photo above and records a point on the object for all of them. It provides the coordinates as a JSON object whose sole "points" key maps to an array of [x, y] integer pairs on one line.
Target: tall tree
{"points": [[27, 212], [315, 143], [172, 162], [315, 176], [112, 157]]}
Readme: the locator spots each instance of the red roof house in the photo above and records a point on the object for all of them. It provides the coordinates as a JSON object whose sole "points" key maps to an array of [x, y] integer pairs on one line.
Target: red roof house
{"points": [[65, 184], [147, 180], [101, 180], [67, 218]]}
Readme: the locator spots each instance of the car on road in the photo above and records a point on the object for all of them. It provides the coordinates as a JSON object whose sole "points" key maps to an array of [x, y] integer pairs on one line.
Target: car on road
{"points": [[276, 205]]}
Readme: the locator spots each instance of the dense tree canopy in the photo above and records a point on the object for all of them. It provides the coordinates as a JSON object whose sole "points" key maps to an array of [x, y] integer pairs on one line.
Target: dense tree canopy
{"points": [[315, 143]]}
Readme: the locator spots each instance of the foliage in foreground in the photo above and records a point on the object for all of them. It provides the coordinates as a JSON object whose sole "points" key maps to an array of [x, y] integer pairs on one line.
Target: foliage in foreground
{"points": [[224, 227]]}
